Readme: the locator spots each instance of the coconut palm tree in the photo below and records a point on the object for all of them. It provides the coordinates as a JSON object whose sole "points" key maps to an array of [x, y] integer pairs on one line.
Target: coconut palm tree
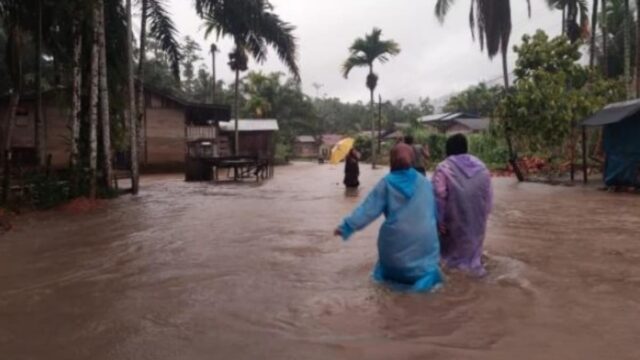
{"points": [[594, 31], [605, 40], [213, 50], [492, 18], [131, 103], [103, 85], [253, 26], [12, 14], [156, 23], [575, 15], [364, 52], [627, 46]]}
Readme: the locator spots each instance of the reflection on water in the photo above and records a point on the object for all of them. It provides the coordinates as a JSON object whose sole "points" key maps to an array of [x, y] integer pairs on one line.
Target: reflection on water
{"points": [[196, 271]]}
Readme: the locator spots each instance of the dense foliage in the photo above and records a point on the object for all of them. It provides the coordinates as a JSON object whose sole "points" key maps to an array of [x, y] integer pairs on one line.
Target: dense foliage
{"points": [[552, 93]]}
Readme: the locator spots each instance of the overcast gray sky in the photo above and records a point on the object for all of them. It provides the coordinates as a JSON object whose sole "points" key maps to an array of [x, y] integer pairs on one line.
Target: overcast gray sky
{"points": [[436, 59]]}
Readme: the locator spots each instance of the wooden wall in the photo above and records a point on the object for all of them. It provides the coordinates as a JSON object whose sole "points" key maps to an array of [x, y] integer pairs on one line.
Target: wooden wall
{"points": [[57, 129]]}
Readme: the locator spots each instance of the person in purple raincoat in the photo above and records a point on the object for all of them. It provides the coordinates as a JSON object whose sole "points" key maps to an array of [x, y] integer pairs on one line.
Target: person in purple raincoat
{"points": [[462, 184]]}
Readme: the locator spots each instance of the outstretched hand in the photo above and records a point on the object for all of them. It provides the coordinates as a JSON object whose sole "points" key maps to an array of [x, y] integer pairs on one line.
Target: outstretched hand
{"points": [[337, 232]]}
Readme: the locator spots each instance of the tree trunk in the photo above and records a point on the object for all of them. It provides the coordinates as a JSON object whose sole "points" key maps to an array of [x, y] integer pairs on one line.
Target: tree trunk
{"points": [[564, 21], [373, 130], [104, 102], [141, 65], [213, 74], [605, 40], [513, 158], [10, 118], [237, 114], [638, 49], [40, 132], [594, 27], [627, 47], [76, 97], [505, 70], [93, 103], [131, 105], [372, 113]]}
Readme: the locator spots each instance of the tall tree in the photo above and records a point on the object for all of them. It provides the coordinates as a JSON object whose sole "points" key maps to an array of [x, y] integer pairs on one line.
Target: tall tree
{"points": [[253, 26], [575, 15], [162, 29], [364, 52], [213, 50], [131, 104], [594, 31], [493, 21], [191, 56], [627, 46], [93, 101], [76, 94], [12, 13], [40, 127], [105, 119], [492, 18], [605, 40]]}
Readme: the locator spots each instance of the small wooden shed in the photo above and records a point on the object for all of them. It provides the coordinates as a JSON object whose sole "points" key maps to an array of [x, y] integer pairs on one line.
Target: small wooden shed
{"points": [[257, 137]]}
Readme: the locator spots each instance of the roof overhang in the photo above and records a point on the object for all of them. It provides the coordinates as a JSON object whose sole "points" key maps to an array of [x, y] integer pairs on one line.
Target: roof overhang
{"points": [[614, 113]]}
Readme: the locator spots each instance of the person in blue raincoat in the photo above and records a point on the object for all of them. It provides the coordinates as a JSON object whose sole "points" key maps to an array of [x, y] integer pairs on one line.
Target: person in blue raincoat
{"points": [[408, 244]]}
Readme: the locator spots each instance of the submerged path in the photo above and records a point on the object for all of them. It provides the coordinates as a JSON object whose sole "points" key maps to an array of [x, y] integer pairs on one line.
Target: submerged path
{"points": [[196, 271]]}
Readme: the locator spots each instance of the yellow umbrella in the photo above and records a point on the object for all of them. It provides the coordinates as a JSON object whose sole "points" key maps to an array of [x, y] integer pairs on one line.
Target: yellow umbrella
{"points": [[341, 150]]}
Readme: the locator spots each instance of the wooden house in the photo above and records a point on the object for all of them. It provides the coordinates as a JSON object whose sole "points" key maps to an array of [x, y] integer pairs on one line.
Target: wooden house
{"points": [[163, 129]]}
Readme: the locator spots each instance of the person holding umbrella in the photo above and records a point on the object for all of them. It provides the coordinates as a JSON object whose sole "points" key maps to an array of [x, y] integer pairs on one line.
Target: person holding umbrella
{"points": [[352, 170]]}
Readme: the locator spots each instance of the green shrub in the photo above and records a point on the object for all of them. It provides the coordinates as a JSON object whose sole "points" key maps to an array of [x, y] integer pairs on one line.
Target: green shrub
{"points": [[490, 149], [363, 145], [47, 192]]}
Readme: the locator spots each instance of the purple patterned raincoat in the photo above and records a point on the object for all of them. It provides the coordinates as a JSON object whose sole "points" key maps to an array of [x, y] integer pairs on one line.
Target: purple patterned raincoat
{"points": [[464, 198]]}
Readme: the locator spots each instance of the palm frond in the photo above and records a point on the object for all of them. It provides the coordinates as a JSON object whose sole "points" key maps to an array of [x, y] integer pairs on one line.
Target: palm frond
{"points": [[352, 62], [442, 8], [279, 35], [163, 29]]}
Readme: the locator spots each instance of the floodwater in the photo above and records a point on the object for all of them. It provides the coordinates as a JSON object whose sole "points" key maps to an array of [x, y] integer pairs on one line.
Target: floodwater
{"points": [[197, 271]]}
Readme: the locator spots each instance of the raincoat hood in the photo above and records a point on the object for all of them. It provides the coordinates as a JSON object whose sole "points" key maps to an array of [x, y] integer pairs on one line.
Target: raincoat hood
{"points": [[468, 164], [404, 181]]}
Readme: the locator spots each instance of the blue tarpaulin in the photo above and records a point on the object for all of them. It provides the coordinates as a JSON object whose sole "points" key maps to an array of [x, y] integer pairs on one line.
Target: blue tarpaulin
{"points": [[621, 142]]}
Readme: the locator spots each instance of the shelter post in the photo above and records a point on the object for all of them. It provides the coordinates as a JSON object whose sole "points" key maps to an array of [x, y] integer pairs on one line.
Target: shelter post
{"points": [[585, 170]]}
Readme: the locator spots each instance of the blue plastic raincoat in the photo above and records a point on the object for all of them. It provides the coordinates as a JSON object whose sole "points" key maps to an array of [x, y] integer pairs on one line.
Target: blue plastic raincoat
{"points": [[408, 244]]}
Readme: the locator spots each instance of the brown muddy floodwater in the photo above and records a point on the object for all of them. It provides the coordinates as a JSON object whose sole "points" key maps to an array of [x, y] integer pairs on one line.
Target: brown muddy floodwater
{"points": [[197, 271]]}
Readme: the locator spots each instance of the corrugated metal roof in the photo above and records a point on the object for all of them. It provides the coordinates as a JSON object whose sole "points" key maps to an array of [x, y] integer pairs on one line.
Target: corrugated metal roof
{"points": [[305, 139], [613, 113], [246, 125], [475, 124], [446, 117], [331, 139]]}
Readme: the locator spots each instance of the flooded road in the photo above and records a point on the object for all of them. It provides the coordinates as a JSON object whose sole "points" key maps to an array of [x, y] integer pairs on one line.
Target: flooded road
{"points": [[196, 271]]}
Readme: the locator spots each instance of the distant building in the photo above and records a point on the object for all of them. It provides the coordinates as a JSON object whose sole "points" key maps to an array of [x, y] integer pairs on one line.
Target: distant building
{"points": [[306, 147], [455, 123]]}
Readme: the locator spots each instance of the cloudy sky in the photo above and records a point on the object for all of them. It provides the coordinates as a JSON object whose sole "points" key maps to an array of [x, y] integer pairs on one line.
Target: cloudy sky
{"points": [[436, 59]]}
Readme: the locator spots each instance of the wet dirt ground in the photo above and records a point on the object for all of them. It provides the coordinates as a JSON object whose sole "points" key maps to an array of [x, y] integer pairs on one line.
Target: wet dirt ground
{"points": [[199, 271]]}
